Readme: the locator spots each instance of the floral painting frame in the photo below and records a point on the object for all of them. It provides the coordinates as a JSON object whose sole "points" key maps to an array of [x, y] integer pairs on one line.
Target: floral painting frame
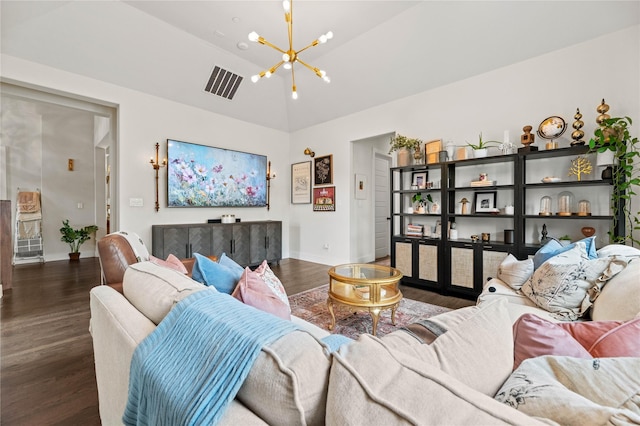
{"points": [[323, 170], [206, 176]]}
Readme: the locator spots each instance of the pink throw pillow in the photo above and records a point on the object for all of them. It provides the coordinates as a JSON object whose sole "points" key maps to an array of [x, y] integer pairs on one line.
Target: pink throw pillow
{"points": [[253, 291], [172, 262], [534, 336], [606, 339]]}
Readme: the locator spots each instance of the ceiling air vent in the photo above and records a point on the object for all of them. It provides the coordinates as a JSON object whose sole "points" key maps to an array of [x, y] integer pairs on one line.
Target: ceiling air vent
{"points": [[223, 83]]}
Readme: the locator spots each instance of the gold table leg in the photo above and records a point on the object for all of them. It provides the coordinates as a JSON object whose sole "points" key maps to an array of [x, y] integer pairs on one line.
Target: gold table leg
{"points": [[375, 316], [333, 317], [393, 313]]}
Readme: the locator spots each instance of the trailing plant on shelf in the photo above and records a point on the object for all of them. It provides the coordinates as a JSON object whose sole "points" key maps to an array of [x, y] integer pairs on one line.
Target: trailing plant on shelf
{"points": [[614, 135], [399, 141], [76, 237]]}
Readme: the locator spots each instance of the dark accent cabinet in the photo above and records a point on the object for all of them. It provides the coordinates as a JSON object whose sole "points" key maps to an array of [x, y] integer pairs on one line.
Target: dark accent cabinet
{"points": [[247, 243]]}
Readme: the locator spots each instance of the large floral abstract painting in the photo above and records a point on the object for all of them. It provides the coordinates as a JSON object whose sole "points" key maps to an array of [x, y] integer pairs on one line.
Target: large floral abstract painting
{"points": [[204, 176]]}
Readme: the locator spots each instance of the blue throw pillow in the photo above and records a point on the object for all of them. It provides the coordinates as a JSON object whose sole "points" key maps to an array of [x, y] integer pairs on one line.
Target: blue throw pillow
{"points": [[228, 262], [211, 273], [553, 248]]}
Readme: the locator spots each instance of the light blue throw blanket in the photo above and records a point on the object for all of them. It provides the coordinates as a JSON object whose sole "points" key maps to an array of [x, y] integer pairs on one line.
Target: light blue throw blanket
{"points": [[191, 367]]}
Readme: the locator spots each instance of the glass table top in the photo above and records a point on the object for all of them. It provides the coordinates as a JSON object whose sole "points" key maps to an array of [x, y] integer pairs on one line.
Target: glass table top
{"points": [[365, 271]]}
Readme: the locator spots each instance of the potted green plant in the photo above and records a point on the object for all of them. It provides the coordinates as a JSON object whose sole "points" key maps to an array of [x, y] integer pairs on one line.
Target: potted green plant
{"points": [[613, 136], [480, 149], [405, 146], [565, 240], [75, 237]]}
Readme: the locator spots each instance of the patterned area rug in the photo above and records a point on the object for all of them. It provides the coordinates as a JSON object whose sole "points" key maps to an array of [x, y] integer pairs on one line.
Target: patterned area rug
{"points": [[311, 306]]}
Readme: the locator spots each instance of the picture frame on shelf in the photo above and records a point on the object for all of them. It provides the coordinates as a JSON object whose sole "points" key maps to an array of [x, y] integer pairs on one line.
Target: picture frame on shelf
{"points": [[324, 199], [301, 183], [485, 202], [420, 179], [323, 170], [432, 150]]}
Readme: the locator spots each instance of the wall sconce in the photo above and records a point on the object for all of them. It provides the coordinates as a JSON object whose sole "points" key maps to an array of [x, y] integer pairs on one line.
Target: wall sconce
{"points": [[156, 166], [269, 177], [310, 153]]}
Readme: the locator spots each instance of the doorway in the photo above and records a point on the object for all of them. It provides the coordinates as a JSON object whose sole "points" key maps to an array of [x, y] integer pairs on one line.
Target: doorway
{"points": [[382, 218]]}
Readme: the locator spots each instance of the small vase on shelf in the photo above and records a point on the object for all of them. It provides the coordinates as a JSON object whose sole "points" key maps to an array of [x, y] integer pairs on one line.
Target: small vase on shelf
{"points": [[403, 157]]}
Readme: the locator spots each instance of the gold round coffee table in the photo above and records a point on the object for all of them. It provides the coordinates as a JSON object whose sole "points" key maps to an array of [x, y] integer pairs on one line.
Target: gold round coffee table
{"points": [[364, 287]]}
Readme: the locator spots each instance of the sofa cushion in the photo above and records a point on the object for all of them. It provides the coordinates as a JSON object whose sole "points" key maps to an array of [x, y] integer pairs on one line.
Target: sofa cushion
{"points": [[553, 248], [534, 336], [561, 284], [253, 291], [154, 290], [618, 250], [227, 262], [620, 297], [172, 262], [482, 344], [574, 391], [371, 383], [288, 382], [272, 281], [515, 272], [211, 273]]}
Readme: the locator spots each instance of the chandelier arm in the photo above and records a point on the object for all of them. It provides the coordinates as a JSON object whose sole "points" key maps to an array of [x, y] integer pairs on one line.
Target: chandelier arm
{"points": [[315, 70], [313, 43], [262, 40], [289, 18]]}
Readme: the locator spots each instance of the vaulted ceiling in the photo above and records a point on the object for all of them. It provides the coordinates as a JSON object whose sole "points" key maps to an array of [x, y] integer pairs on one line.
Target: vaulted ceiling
{"points": [[381, 50]]}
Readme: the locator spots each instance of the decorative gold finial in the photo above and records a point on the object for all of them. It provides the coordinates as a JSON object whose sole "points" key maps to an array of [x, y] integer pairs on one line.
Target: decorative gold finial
{"points": [[577, 134], [602, 110]]}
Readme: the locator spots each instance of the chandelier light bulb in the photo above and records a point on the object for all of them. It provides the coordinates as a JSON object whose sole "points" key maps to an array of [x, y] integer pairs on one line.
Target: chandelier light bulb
{"points": [[285, 57], [294, 95], [322, 73], [255, 78], [286, 5], [322, 39], [326, 79], [329, 35], [287, 65], [267, 74], [253, 36]]}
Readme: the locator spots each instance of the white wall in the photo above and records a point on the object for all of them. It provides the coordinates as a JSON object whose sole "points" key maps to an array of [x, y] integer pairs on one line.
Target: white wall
{"points": [[144, 120], [505, 99]]}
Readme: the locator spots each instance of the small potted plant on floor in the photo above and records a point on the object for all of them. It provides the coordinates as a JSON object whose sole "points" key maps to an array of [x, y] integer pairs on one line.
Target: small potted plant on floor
{"points": [[75, 237]]}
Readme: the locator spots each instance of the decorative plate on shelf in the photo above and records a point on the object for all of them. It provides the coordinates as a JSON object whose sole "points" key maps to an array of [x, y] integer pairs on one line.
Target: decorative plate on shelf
{"points": [[551, 179]]}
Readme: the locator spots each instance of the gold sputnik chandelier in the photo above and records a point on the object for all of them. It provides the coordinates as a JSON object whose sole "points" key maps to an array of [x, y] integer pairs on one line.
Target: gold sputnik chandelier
{"points": [[290, 56]]}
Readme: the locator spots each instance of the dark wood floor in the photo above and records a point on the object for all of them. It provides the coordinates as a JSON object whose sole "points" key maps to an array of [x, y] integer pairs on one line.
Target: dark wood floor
{"points": [[46, 369]]}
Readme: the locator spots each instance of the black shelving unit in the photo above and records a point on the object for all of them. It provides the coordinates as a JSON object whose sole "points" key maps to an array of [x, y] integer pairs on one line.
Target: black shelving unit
{"points": [[462, 252]]}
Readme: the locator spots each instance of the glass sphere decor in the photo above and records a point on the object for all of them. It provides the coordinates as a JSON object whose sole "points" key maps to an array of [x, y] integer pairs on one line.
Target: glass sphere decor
{"points": [[584, 208], [566, 203], [545, 206]]}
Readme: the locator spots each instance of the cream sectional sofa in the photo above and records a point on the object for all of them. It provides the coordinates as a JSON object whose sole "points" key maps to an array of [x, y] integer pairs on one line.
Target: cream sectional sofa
{"points": [[396, 379]]}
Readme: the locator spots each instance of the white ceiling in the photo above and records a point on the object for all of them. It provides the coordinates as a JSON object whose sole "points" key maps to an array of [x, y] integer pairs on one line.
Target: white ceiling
{"points": [[381, 50]]}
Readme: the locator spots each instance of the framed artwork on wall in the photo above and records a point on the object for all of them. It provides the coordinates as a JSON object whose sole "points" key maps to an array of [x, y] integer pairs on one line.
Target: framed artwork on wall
{"points": [[323, 170], [324, 199], [301, 183], [361, 186], [485, 202]]}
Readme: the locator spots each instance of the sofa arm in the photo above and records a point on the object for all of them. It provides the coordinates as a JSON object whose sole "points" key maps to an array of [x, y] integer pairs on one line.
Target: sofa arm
{"points": [[116, 328]]}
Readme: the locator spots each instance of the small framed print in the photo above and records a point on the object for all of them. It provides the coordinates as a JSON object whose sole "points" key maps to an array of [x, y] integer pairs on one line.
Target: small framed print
{"points": [[301, 183], [361, 186], [485, 202], [419, 179], [323, 170], [324, 199]]}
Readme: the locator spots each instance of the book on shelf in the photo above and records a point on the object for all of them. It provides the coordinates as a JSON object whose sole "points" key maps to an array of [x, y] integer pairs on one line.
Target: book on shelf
{"points": [[414, 230], [484, 183]]}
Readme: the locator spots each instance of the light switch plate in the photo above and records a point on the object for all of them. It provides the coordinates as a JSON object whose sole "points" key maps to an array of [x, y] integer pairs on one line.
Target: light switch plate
{"points": [[135, 202]]}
